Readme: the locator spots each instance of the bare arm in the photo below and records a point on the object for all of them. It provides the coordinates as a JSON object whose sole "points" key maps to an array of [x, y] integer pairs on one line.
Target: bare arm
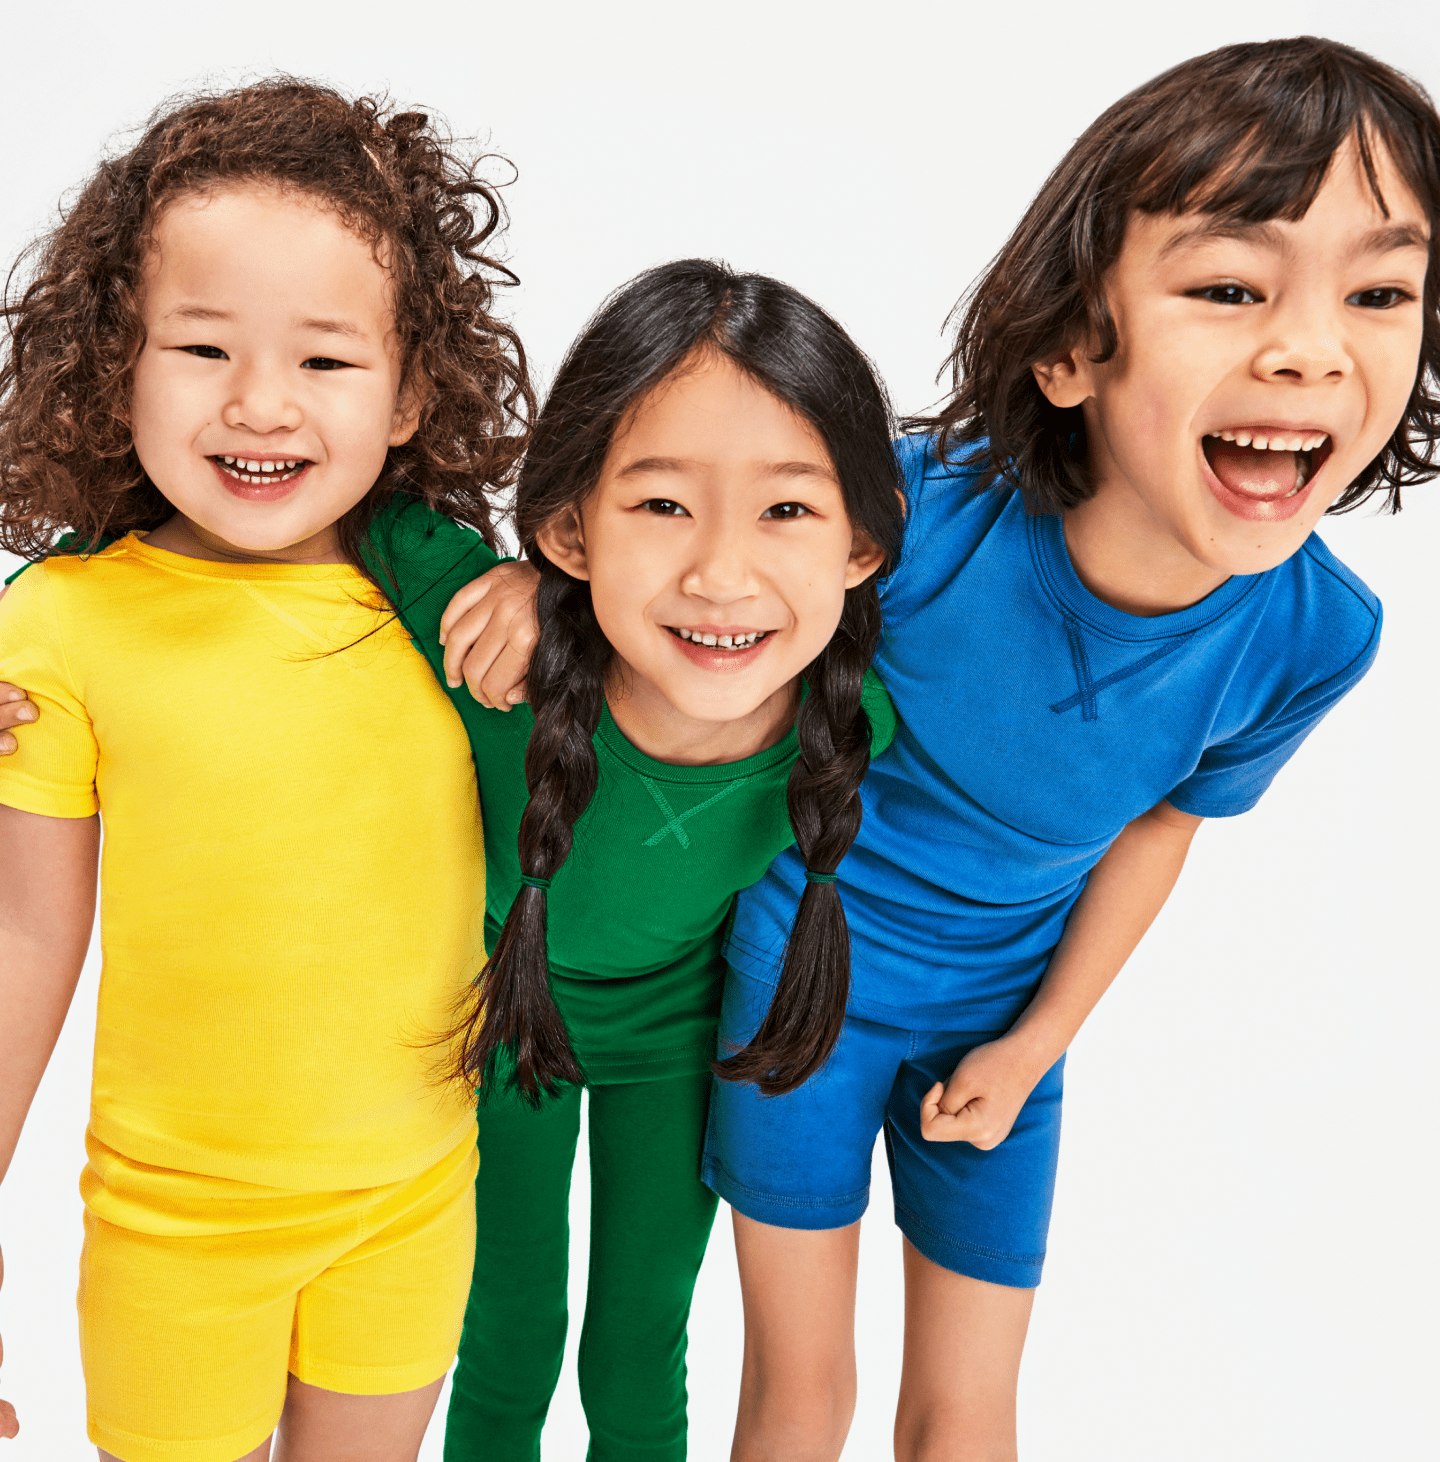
{"points": [[1125, 891], [47, 904]]}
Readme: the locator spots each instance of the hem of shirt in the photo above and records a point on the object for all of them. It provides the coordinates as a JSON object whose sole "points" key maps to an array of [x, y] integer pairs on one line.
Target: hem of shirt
{"points": [[295, 1175], [631, 1069], [1197, 807], [997, 1014], [25, 794]]}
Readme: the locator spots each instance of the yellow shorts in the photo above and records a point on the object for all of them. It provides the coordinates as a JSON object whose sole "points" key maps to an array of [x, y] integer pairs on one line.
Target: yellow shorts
{"points": [[198, 1295]]}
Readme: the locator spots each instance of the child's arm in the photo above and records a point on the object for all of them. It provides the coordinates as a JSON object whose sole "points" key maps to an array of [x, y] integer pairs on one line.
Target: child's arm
{"points": [[1125, 891], [488, 630], [47, 905]]}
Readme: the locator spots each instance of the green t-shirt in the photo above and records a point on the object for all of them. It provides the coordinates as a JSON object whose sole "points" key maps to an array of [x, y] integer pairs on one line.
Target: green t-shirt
{"points": [[637, 914]]}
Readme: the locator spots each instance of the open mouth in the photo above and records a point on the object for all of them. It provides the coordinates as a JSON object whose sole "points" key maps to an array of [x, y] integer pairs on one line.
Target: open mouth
{"points": [[731, 642], [261, 472], [1266, 466]]}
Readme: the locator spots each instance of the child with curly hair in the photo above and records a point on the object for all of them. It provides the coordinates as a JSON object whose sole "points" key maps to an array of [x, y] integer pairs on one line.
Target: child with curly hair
{"points": [[256, 334]]}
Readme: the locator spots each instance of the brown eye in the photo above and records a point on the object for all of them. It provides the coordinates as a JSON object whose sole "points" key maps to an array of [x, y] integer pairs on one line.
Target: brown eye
{"points": [[323, 363], [786, 512], [1226, 294], [205, 352], [665, 506], [1385, 297]]}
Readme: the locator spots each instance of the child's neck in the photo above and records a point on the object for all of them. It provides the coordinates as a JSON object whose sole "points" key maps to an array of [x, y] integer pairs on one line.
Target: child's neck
{"points": [[186, 537], [1129, 560], [651, 724]]}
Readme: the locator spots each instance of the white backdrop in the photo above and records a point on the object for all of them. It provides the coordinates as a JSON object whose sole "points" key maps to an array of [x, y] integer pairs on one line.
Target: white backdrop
{"points": [[1241, 1257]]}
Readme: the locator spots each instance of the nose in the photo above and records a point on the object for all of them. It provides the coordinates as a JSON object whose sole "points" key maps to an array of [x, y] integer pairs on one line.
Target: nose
{"points": [[720, 567], [260, 402], [1306, 345]]}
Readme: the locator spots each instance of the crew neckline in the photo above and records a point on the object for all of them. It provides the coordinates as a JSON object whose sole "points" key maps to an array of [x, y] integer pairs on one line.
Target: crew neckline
{"points": [[207, 568], [625, 751], [1052, 562]]}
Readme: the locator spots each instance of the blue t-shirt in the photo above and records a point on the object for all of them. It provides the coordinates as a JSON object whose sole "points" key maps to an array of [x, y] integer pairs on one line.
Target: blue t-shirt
{"points": [[1035, 722]]}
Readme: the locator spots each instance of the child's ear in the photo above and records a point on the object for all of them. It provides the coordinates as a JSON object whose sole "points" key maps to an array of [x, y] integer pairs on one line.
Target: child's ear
{"points": [[865, 557], [562, 541], [414, 395], [1067, 379]]}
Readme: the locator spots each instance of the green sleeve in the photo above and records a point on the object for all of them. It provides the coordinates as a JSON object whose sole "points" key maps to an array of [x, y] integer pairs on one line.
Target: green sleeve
{"points": [[420, 559], [881, 711]]}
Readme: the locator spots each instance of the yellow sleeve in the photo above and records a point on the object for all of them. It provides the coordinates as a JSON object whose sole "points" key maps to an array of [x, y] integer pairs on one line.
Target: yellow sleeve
{"points": [[53, 771]]}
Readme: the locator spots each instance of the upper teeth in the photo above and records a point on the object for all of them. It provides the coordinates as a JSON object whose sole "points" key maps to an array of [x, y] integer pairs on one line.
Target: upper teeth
{"points": [[1293, 443], [722, 642], [254, 466]]}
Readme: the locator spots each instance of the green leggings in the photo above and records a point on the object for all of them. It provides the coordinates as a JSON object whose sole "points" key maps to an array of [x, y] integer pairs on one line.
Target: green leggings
{"points": [[650, 1216]]}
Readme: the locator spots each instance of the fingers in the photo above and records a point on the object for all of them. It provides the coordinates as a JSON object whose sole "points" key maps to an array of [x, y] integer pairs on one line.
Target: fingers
{"points": [[497, 677], [463, 602], [15, 710], [465, 632], [955, 1114], [488, 645], [9, 1426], [502, 685]]}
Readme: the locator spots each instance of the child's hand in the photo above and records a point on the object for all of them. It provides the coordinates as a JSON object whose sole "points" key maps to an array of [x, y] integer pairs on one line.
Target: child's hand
{"points": [[8, 1425], [14, 711], [488, 630], [981, 1100]]}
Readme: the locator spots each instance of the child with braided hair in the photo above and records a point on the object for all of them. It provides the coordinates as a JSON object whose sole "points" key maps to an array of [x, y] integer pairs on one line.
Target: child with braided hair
{"points": [[708, 494]]}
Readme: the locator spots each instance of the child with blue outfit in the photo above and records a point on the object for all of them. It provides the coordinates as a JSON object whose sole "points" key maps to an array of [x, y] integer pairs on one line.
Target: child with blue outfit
{"points": [[1111, 619]]}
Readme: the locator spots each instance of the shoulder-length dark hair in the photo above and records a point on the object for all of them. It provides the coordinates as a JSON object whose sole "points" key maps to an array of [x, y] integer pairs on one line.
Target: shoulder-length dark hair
{"points": [[653, 326], [1246, 133], [67, 461]]}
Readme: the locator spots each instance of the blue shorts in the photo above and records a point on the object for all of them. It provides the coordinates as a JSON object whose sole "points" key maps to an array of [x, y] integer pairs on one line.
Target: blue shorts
{"points": [[803, 1160]]}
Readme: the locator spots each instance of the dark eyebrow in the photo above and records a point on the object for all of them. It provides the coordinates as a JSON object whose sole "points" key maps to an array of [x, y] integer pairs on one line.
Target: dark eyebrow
{"points": [[681, 464], [334, 327], [197, 312], [1383, 240], [1391, 237], [324, 327], [1266, 235]]}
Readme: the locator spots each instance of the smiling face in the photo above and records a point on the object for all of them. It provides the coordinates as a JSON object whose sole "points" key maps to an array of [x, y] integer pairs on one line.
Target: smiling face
{"points": [[268, 390], [718, 552], [1260, 368]]}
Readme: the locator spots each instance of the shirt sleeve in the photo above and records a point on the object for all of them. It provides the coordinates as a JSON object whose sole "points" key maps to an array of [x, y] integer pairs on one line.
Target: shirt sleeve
{"points": [[53, 771], [881, 711], [1233, 775]]}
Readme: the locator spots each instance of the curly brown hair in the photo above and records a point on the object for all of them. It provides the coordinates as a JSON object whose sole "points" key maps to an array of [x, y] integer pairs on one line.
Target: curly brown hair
{"points": [[1246, 133], [67, 462]]}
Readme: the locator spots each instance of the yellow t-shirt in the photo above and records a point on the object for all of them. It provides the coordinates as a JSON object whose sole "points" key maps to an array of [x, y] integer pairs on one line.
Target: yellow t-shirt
{"points": [[292, 880]]}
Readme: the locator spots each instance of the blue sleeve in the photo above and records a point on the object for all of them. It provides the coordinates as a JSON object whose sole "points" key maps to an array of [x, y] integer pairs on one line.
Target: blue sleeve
{"points": [[1232, 775], [910, 454]]}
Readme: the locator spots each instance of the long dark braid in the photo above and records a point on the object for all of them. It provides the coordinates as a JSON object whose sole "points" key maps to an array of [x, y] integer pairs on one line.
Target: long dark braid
{"points": [[511, 1006], [808, 1008]]}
